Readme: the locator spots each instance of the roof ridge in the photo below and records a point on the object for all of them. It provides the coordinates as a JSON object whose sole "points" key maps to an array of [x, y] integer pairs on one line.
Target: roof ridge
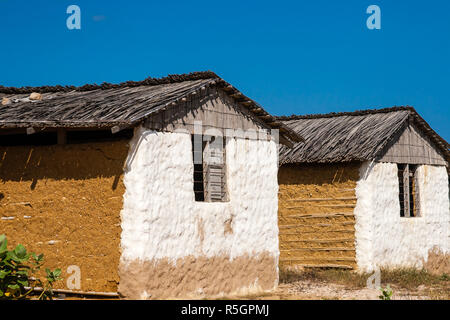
{"points": [[171, 78], [413, 116], [209, 77], [348, 113]]}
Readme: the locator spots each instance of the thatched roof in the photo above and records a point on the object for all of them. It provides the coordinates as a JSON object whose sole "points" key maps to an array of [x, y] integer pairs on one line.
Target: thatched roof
{"points": [[352, 136], [109, 105]]}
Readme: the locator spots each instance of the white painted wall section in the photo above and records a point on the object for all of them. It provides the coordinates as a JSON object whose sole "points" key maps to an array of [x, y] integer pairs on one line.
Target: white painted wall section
{"points": [[383, 238], [161, 219]]}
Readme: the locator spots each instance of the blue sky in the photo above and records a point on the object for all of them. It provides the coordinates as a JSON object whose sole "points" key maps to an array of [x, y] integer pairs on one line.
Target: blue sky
{"points": [[291, 56]]}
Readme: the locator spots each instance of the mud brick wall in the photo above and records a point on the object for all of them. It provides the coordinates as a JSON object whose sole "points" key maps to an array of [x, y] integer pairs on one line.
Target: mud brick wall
{"points": [[315, 214], [64, 201]]}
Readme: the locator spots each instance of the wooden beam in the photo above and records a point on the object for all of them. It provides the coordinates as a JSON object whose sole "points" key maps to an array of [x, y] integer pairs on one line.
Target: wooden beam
{"points": [[237, 95], [275, 124], [83, 293], [318, 249], [119, 128], [316, 225], [323, 231], [323, 199], [286, 142], [319, 215], [320, 265], [321, 241], [336, 205], [115, 129], [6, 132], [61, 136], [317, 258]]}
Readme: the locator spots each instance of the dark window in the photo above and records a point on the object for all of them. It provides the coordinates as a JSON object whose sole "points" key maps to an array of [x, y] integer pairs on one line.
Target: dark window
{"points": [[198, 145], [209, 168], [408, 190]]}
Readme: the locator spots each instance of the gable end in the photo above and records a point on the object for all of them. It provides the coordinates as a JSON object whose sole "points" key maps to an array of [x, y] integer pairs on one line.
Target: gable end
{"points": [[412, 146]]}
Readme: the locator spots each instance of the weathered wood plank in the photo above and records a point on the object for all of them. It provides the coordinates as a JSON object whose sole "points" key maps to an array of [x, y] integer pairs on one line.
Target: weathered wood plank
{"points": [[322, 240], [318, 249], [338, 266], [321, 215], [323, 259], [61, 136], [323, 199]]}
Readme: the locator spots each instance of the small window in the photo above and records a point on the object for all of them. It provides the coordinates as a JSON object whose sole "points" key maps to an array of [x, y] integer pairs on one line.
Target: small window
{"points": [[408, 190], [209, 168]]}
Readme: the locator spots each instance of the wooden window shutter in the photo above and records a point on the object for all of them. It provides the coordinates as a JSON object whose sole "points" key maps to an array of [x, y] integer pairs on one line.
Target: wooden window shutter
{"points": [[415, 205], [408, 191], [214, 168]]}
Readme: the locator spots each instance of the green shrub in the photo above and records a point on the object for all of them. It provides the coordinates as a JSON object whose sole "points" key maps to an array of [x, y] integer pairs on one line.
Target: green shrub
{"points": [[18, 270], [386, 293]]}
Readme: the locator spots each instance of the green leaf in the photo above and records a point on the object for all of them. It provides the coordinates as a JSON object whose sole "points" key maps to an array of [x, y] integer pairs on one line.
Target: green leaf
{"points": [[53, 276], [4, 273], [18, 259], [37, 258], [10, 257], [57, 272], [3, 243], [24, 283], [16, 267], [21, 252], [22, 273], [13, 286]]}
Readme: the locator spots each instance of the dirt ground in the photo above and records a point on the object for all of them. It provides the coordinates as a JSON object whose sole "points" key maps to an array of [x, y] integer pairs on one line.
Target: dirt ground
{"points": [[332, 284], [309, 290], [347, 285]]}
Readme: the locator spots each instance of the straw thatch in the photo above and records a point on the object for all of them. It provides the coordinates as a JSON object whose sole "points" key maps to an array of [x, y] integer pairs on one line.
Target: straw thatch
{"points": [[109, 105], [352, 136]]}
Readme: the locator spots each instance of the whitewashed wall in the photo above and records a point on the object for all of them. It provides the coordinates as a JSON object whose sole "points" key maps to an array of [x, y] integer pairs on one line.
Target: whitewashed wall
{"points": [[162, 220], [383, 238]]}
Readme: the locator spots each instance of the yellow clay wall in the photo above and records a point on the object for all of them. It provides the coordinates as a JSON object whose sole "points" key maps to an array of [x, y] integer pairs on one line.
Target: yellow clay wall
{"points": [[64, 201], [315, 214]]}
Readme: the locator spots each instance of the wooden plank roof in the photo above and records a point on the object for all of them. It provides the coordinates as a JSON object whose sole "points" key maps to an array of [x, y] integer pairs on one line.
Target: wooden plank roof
{"points": [[352, 136], [108, 105]]}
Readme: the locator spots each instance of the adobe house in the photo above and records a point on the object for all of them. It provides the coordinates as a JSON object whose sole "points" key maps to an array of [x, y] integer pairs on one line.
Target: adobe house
{"points": [[161, 188], [367, 190]]}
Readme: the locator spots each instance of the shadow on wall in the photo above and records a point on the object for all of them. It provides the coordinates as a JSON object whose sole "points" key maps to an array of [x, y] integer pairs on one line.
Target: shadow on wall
{"points": [[55, 162], [318, 174], [64, 201]]}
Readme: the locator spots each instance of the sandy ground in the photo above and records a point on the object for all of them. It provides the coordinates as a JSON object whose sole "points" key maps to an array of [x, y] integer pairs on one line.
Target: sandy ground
{"points": [[321, 289], [313, 290]]}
